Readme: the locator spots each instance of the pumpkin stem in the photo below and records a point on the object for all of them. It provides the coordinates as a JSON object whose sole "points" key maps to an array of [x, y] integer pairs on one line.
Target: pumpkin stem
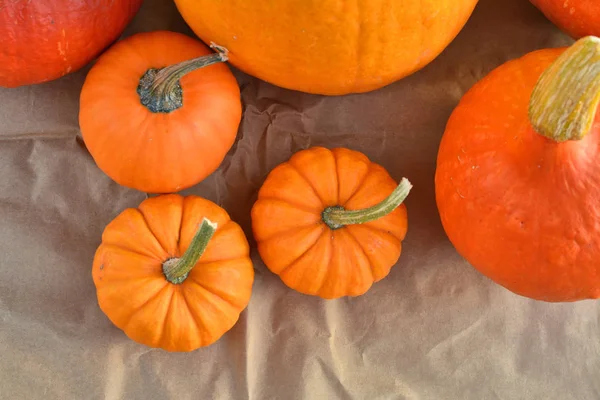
{"points": [[337, 217], [160, 88], [565, 100], [176, 270]]}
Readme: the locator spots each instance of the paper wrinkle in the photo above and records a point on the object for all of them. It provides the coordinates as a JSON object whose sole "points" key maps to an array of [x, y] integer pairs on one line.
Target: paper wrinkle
{"points": [[332, 379], [434, 329], [445, 347]]}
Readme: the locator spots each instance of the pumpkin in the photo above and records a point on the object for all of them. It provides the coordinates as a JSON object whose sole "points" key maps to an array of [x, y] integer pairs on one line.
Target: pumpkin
{"points": [[328, 47], [578, 18], [518, 179], [159, 111], [330, 223], [45, 40], [173, 273]]}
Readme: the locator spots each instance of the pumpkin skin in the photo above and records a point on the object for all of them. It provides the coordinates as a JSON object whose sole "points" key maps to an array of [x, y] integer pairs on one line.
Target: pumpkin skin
{"points": [[328, 47], [43, 41], [296, 244], [578, 18], [158, 152], [134, 293], [523, 209]]}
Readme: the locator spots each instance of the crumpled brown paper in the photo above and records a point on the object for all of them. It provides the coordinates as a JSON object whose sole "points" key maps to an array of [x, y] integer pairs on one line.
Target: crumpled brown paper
{"points": [[434, 329]]}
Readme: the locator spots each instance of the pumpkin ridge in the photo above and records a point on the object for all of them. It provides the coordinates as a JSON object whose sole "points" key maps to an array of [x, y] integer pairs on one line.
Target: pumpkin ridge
{"points": [[362, 249], [337, 176], [213, 294], [308, 182], [310, 265], [109, 246], [195, 279], [128, 222], [152, 297], [220, 261], [181, 226], [336, 155], [312, 246], [140, 308], [150, 229], [105, 298], [382, 231], [287, 231], [327, 270], [166, 318], [230, 321], [360, 185], [165, 245], [198, 324], [291, 203], [118, 281]]}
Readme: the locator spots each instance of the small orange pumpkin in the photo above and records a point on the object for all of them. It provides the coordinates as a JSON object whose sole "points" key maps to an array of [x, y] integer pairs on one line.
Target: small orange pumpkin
{"points": [[159, 111], [330, 222], [518, 177], [174, 273]]}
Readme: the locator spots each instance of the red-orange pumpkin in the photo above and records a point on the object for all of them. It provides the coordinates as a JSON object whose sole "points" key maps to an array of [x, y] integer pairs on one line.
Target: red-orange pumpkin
{"points": [[518, 177], [578, 18], [330, 223], [174, 273], [159, 111], [44, 40]]}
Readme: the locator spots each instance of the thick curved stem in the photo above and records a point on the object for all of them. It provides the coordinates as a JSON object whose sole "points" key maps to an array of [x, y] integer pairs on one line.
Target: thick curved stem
{"points": [[160, 89], [176, 270], [337, 217], [565, 101]]}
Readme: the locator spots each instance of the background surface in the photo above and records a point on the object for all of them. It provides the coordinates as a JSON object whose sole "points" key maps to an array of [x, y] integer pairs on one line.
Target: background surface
{"points": [[434, 329]]}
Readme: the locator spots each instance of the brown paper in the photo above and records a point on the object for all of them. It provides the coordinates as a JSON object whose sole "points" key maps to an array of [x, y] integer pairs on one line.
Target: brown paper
{"points": [[434, 329]]}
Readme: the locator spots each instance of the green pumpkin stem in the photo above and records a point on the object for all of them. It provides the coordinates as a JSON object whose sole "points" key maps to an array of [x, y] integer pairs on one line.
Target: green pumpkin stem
{"points": [[176, 270], [565, 100], [160, 89], [338, 217]]}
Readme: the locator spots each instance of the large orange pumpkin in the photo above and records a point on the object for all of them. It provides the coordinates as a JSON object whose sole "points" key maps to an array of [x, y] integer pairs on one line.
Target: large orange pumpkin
{"points": [[578, 18], [328, 46], [518, 177], [174, 273], [44, 40], [159, 111], [330, 223]]}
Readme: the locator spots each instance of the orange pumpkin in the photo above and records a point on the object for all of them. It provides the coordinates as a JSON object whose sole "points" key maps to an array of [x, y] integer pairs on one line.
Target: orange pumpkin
{"points": [[578, 18], [330, 222], [518, 178], [329, 47], [174, 273], [159, 112]]}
